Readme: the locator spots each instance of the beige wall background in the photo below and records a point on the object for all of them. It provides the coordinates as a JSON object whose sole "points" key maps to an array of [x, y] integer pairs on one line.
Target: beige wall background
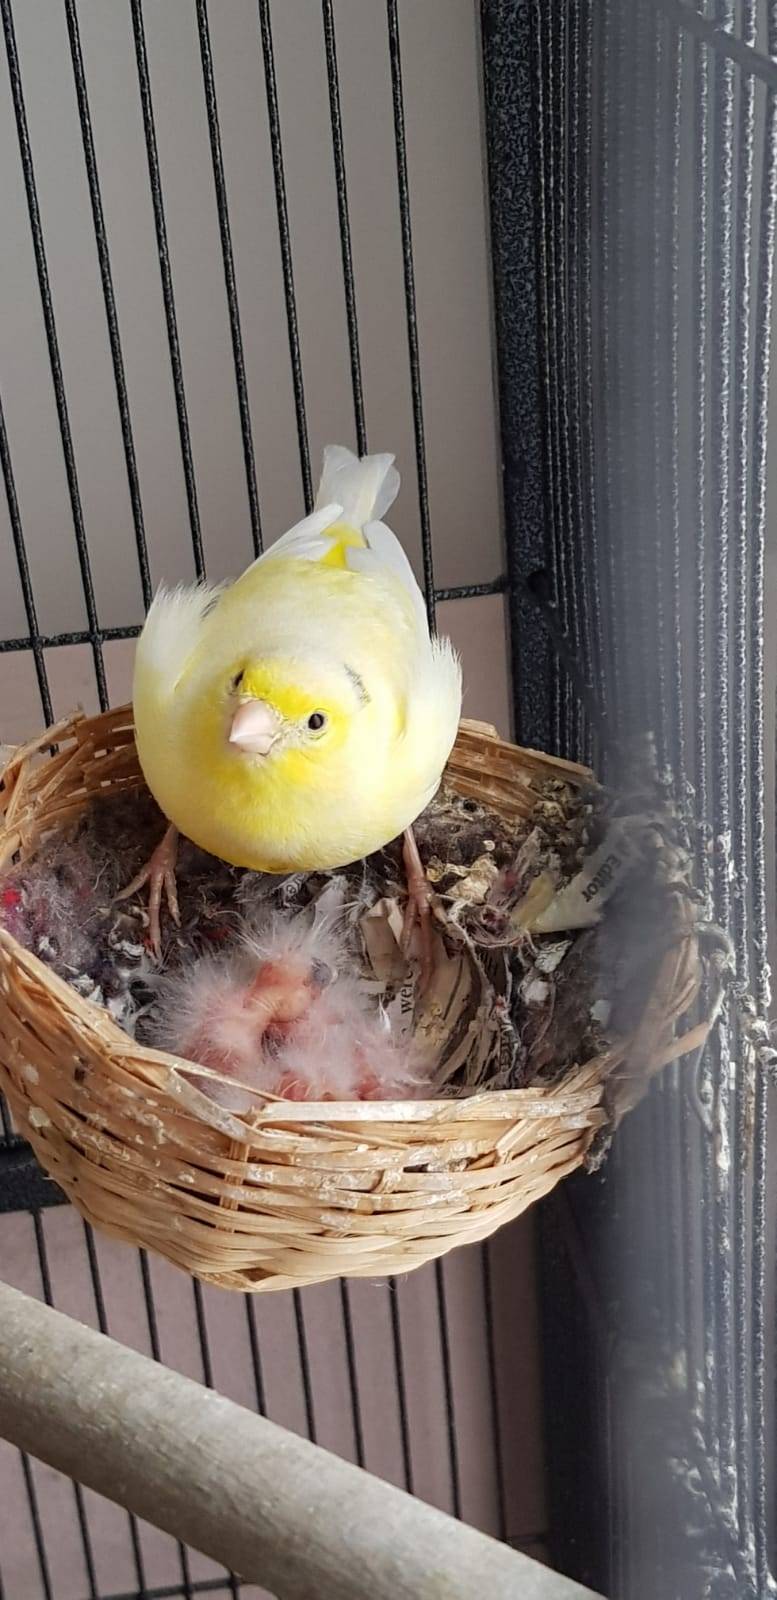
{"points": [[484, 1388]]}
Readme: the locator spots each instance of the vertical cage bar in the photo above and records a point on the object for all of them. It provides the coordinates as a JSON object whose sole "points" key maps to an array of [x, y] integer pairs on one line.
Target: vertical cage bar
{"points": [[666, 723], [565, 71], [111, 316], [230, 280], [546, 273], [741, 542], [510, 50], [360, 426], [399, 1374], [685, 1149], [304, 1362], [701, 410], [55, 361], [5, 1123], [661, 349], [638, 533], [588, 363], [78, 1493], [579, 178], [168, 293], [616, 309], [156, 1351], [349, 285], [604, 370], [493, 1389], [353, 1376], [671, 178], [721, 217], [411, 316], [102, 1323], [25, 580], [450, 1414], [284, 240], [742, 803], [37, 1527], [256, 1355], [207, 1374], [764, 305], [677, 1125]]}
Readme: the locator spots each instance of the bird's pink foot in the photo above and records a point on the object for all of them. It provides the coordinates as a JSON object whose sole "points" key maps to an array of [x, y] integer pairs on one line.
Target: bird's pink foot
{"points": [[159, 874], [418, 912]]}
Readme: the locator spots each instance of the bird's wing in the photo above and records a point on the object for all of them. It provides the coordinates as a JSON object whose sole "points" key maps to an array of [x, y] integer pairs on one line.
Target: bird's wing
{"points": [[171, 633], [383, 553], [433, 711], [306, 540]]}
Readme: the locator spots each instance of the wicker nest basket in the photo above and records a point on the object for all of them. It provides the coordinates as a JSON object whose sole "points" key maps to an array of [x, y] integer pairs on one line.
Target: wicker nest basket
{"points": [[293, 1193]]}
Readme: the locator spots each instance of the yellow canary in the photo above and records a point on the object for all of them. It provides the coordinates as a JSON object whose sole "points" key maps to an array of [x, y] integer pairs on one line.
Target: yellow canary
{"points": [[301, 717]]}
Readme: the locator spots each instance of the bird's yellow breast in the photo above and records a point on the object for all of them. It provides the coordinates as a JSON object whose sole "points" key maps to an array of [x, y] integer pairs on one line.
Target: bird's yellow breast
{"points": [[294, 810]]}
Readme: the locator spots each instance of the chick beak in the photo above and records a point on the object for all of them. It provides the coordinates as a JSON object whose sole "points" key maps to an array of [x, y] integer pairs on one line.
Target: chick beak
{"points": [[254, 727]]}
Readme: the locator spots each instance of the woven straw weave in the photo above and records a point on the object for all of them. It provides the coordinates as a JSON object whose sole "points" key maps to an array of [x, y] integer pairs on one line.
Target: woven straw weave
{"points": [[293, 1193]]}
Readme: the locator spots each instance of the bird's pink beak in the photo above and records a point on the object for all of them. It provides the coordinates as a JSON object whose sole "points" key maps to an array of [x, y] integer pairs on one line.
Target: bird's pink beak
{"points": [[254, 727]]}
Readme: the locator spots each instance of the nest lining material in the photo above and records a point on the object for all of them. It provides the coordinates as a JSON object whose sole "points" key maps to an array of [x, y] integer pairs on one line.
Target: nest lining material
{"points": [[564, 944]]}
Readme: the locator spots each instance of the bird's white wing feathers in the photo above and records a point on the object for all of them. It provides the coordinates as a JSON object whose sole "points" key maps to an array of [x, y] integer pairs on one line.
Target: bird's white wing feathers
{"points": [[364, 488], [306, 541], [172, 630], [433, 710], [384, 553]]}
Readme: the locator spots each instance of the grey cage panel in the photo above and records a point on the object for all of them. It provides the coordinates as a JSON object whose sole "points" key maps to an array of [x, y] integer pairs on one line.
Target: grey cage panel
{"points": [[654, 221], [631, 153]]}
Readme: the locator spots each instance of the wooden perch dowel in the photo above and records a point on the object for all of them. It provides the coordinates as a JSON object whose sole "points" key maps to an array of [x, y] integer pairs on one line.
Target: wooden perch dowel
{"points": [[277, 1510]]}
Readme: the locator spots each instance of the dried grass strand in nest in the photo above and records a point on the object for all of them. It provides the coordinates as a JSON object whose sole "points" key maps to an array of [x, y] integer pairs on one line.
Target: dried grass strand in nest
{"points": [[292, 1193]]}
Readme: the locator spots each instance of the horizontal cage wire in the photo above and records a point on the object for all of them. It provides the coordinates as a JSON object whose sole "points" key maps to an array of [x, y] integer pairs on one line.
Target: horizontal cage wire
{"points": [[435, 1307]]}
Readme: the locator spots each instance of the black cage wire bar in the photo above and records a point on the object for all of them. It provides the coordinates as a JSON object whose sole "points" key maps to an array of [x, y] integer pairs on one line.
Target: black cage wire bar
{"points": [[632, 171]]}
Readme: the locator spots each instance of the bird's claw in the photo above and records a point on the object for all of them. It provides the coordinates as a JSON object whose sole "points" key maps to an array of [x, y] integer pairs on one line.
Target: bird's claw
{"points": [[418, 914], [418, 911], [159, 874]]}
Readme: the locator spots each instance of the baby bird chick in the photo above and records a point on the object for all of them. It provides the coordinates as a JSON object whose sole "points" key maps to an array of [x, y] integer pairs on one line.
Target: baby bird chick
{"points": [[285, 1014]]}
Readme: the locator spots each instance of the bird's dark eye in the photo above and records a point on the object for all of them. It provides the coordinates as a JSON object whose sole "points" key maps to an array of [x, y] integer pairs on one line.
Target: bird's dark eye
{"points": [[317, 721], [238, 679]]}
